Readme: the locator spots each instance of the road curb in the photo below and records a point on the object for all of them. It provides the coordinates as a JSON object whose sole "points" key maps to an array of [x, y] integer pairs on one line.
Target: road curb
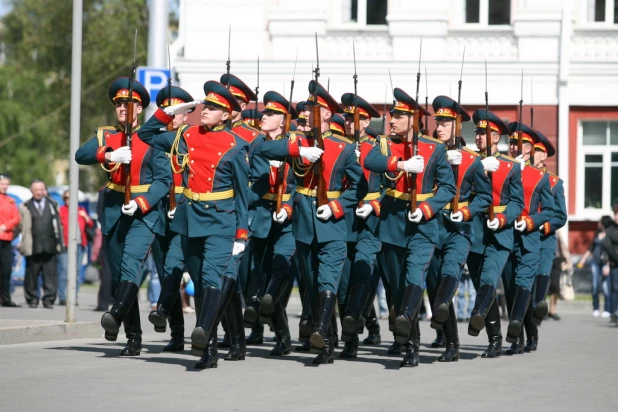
{"points": [[32, 331]]}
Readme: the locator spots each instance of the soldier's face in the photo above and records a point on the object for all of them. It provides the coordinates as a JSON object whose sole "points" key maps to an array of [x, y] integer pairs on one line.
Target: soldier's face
{"points": [[272, 122], [179, 120], [302, 126], [445, 129], [525, 149], [481, 140], [213, 116], [325, 115], [400, 124], [539, 157], [349, 125], [243, 106], [121, 112]]}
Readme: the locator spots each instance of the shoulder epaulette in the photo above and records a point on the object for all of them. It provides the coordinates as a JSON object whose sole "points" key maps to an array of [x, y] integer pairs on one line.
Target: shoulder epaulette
{"points": [[431, 139], [509, 158], [465, 149], [253, 129], [107, 128], [552, 174], [345, 139], [537, 168]]}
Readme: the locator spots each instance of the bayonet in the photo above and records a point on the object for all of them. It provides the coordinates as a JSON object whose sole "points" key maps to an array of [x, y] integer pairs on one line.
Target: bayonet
{"points": [[129, 123], [455, 204], [490, 209]]}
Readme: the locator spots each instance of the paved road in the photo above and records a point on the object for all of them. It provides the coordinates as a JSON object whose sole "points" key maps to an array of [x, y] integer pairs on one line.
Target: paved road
{"points": [[574, 369]]}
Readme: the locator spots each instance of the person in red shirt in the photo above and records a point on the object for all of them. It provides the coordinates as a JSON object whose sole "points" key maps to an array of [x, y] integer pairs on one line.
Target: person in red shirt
{"points": [[83, 221], [9, 219]]}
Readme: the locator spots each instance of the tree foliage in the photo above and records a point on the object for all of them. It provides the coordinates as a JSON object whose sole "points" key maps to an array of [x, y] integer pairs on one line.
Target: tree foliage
{"points": [[35, 81]]}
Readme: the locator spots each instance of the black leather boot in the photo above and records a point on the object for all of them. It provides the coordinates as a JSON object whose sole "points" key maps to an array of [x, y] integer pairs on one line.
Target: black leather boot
{"points": [[373, 329], [439, 341], [395, 349], [350, 350], [252, 311], [282, 332], [494, 333], [177, 327], [323, 320], [327, 352], [236, 329], [169, 295], [539, 304], [517, 347], [410, 304], [256, 337], [484, 299], [520, 305], [305, 326], [125, 296], [133, 331], [274, 291], [335, 326], [352, 313], [226, 342], [451, 354], [209, 358], [410, 359], [444, 296], [532, 331], [205, 321]]}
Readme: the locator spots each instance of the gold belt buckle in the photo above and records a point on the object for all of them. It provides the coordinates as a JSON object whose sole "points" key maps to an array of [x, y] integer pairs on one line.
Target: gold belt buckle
{"points": [[196, 197]]}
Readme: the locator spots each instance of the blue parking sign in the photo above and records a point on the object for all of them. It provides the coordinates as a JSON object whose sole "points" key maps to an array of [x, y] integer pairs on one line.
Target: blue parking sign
{"points": [[153, 79]]}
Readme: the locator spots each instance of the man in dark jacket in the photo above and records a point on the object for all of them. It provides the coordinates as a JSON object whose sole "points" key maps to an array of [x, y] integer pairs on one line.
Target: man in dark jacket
{"points": [[610, 245]]}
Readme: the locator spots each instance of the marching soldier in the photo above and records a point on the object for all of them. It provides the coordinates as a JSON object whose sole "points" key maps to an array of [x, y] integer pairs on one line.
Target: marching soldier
{"points": [[409, 236], [252, 118], [493, 239], [213, 214], [454, 225], [363, 244], [128, 229], [538, 209], [301, 120], [537, 309], [250, 281], [274, 246], [168, 249], [320, 230]]}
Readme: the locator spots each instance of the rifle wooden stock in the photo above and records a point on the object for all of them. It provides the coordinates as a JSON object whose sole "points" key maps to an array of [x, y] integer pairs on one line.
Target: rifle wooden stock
{"points": [[520, 142], [412, 176], [318, 168], [455, 203], [128, 129], [281, 173], [172, 195], [490, 209]]}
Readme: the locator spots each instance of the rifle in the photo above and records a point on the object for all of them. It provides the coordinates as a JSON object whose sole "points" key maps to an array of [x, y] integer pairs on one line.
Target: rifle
{"points": [[426, 104], [322, 196], [455, 204], [170, 127], [415, 130], [490, 209], [128, 128], [356, 111], [519, 132], [384, 111], [257, 94], [227, 64], [531, 118], [286, 130]]}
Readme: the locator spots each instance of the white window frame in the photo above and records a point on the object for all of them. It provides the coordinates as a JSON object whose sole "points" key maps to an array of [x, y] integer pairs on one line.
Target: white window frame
{"points": [[336, 17], [606, 151], [609, 13], [483, 14]]}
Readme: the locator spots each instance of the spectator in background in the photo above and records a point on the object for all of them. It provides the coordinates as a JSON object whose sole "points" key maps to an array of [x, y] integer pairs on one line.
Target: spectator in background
{"points": [[598, 260], [99, 253], [562, 263], [610, 246], [42, 240], [465, 284], [9, 220], [83, 221]]}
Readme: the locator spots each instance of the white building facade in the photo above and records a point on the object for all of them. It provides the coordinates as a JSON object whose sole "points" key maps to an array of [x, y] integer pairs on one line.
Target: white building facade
{"points": [[567, 50]]}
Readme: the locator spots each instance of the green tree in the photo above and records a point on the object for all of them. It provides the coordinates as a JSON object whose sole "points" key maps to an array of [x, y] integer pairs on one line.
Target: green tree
{"points": [[35, 82]]}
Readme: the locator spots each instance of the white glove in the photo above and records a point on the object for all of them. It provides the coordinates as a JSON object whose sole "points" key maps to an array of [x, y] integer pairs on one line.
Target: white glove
{"points": [[520, 225], [521, 161], [454, 157], [239, 247], [415, 164], [357, 153], [281, 217], [121, 155], [129, 209], [456, 217], [180, 108], [490, 164], [311, 153], [364, 211], [324, 212], [275, 163], [171, 213], [416, 216], [494, 224], [541, 228]]}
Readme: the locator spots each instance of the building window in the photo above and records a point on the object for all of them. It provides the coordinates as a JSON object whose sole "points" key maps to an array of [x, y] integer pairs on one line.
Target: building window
{"points": [[488, 12], [602, 11], [600, 155], [368, 12]]}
